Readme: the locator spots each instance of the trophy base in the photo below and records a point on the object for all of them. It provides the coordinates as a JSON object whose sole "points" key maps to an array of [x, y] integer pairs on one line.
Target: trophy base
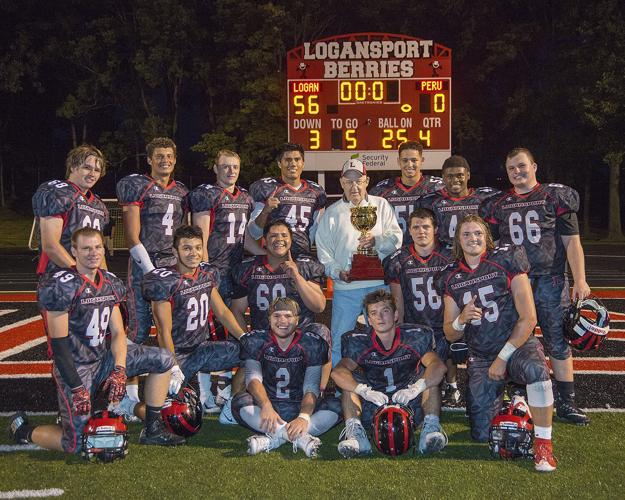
{"points": [[366, 267]]}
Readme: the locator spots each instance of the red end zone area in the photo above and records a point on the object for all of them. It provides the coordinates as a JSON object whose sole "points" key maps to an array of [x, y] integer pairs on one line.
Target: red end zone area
{"points": [[23, 356]]}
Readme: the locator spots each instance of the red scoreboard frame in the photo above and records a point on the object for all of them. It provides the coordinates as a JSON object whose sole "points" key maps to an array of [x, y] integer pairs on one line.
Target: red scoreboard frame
{"points": [[365, 94]]}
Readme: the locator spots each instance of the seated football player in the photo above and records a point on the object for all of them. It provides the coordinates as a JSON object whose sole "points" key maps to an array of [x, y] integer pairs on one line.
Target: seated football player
{"points": [[488, 299], [388, 363], [80, 305], [182, 297], [265, 277], [282, 377]]}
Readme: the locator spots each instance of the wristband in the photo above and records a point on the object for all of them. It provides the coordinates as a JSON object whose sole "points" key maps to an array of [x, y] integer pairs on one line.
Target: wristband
{"points": [[507, 351], [456, 325], [142, 259], [304, 416]]}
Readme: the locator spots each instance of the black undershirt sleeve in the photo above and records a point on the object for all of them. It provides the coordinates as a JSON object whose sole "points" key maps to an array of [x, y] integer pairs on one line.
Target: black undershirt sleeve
{"points": [[64, 362]]}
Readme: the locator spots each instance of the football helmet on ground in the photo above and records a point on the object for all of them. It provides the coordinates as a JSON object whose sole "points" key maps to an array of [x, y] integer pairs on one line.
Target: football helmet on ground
{"points": [[105, 438], [182, 413], [511, 431], [393, 429]]}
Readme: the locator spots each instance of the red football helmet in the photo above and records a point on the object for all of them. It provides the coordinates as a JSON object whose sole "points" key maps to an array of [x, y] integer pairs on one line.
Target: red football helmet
{"points": [[105, 438], [511, 431], [182, 413], [587, 324], [393, 429]]}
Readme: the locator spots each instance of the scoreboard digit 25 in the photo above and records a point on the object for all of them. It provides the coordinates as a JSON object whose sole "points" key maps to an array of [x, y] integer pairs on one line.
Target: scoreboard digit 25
{"points": [[367, 93]]}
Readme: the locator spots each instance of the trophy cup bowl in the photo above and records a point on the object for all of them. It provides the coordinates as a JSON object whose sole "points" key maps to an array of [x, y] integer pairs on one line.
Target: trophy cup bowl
{"points": [[363, 219], [365, 262]]}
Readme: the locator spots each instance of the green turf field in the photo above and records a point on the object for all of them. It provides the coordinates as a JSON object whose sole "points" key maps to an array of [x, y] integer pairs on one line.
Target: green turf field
{"points": [[14, 229], [214, 465]]}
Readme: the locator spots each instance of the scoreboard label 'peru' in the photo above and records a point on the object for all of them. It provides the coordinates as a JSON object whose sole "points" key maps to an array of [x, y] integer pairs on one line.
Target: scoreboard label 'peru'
{"points": [[365, 94]]}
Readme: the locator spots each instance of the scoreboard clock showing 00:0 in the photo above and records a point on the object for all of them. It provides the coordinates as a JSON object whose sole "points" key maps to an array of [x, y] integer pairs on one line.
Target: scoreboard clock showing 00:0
{"points": [[367, 93]]}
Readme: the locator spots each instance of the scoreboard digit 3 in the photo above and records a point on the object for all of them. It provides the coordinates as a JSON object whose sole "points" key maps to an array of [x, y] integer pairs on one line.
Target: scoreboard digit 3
{"points": [[367, 93]]}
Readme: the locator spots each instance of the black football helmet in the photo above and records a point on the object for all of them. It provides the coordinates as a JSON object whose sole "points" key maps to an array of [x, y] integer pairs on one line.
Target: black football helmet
{"points": [[393, 429], [511, 431], [104, 438], [587, 324], [182, 413]]}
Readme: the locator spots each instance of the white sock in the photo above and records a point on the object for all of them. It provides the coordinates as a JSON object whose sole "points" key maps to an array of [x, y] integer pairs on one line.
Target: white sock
{"points": [[132, 391], [453, 384], [204, 380], [542, 432]]}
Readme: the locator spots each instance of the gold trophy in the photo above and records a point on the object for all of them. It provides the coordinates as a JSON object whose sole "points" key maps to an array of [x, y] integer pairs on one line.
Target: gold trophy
{"points": [[365, 262]]}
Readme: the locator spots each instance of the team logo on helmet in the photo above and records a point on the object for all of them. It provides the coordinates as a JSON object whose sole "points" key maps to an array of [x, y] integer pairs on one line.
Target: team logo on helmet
{"points": [[105, 438], [182, 413], [587, 324], [511, 431], [393, 429]]}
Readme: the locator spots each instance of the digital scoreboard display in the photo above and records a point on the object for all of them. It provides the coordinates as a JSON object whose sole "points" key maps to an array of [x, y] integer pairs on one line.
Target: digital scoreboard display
{"points": [[367, 93]]}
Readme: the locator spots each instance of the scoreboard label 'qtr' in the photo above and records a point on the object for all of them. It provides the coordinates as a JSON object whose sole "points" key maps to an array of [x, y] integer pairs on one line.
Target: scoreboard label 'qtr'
{"points": [[366, 93]]}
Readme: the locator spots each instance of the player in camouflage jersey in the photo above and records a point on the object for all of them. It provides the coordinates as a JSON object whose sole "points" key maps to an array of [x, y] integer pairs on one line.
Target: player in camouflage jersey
{"points": [[182, 298], [153, 207], [412, 274], [222, 211], [62, 207], [291, 198], [456, 199], [488, 299], [404, 192], [282, 375], [80, 306], [543, 219], [388, 362]]}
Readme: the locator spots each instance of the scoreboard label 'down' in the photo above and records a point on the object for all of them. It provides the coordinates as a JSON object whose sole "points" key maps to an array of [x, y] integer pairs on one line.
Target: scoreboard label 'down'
{"points": [[367, 93]]}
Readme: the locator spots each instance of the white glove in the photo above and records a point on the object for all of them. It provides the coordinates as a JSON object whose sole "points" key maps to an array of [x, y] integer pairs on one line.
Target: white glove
{"points": [[176, 380], [376, 397], [404, 396]]}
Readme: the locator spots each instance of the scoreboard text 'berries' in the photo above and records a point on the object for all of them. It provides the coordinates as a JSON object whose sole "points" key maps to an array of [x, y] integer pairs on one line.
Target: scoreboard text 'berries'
{"points": [[367, 93]]}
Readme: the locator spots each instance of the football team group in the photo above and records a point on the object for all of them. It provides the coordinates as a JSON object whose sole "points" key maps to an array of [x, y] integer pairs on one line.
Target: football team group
{"points": [[468, 273]]}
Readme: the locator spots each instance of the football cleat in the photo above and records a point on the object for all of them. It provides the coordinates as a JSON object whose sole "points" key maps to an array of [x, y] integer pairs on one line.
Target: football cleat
{"points": [[452, 396], [158, 435], [124, 408], [567, 410], [353, 440], [16, 421], [226, 417], [432, 439], [308, 444], [210, 406], [259, 443], [544, 461]]}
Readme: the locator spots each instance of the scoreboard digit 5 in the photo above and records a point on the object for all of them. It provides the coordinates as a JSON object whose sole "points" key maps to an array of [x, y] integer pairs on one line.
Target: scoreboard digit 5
{"points": [[368, 93]]}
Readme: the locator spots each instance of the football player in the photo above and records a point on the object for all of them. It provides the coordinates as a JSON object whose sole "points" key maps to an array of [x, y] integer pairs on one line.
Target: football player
{"points": [[488, 300], [403, 192], [543, 219], [456, 199], [412, 273], [222, 211], [291, 198], [182, 298], [62, 207], [386, 363], [282, 377], [80, 305], [153, 207]]}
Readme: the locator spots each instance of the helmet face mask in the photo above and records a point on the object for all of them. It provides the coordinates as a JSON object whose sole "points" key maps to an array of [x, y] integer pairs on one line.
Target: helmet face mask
{"points": [[104, 438], [587, 324], [182, 413], [511, 431], [393, 429]]}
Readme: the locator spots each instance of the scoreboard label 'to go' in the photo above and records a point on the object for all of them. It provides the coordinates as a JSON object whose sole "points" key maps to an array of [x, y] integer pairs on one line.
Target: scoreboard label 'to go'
{"points": [[369, 92]]}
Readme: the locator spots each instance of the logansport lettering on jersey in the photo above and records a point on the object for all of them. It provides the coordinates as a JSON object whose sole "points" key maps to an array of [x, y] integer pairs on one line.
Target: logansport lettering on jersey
{"points": [[369, 59]]}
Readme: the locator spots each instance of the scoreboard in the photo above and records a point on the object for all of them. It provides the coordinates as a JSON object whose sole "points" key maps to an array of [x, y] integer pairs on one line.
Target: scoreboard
{"points": [[366, 93]]}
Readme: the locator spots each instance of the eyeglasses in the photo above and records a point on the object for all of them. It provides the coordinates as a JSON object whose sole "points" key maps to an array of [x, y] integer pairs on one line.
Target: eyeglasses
{"points": [[360, 182]]}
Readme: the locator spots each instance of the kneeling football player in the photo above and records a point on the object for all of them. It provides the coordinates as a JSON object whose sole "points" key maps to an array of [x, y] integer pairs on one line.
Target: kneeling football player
{"points": [[182, 297], [488, 299], [80, 305], [388, 362], [282, 376]]}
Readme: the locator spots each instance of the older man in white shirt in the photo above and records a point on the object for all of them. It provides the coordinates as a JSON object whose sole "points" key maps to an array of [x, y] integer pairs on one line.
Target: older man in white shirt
{"points": [[337, 240]]}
